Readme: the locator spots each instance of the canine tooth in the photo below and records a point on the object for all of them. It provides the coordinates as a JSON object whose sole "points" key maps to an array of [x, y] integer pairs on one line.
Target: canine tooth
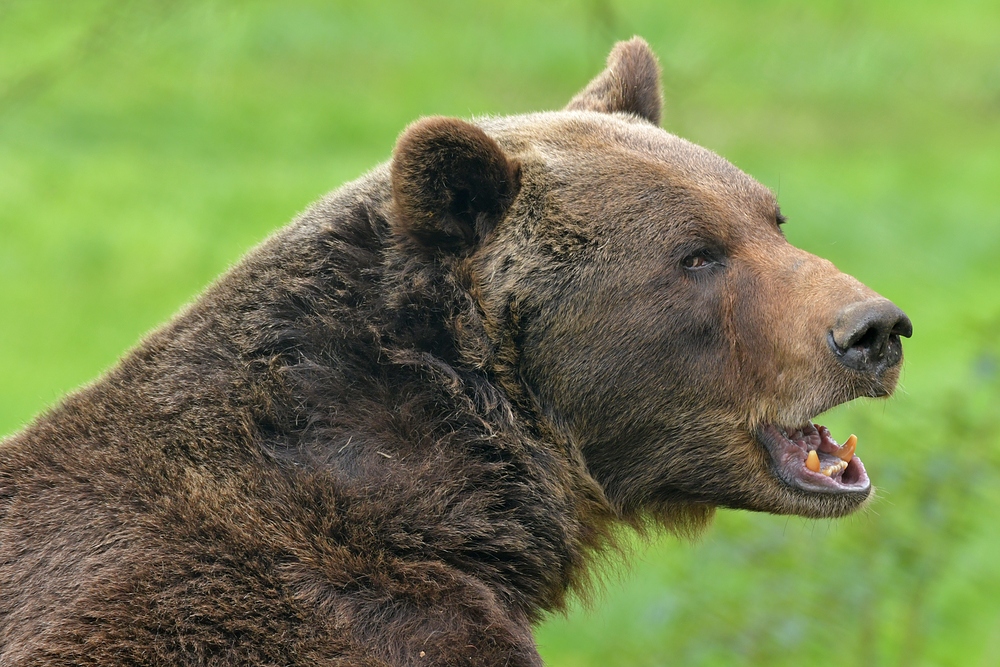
{"points": [[812, 461], [846, 451]]}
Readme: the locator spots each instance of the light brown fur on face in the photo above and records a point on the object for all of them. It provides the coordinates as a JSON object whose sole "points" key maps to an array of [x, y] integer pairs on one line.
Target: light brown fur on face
{"points": [[664, 380], [399, 430]]}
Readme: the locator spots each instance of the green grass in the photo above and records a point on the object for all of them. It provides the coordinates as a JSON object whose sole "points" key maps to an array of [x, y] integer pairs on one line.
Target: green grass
{"points": [[145, 146]]}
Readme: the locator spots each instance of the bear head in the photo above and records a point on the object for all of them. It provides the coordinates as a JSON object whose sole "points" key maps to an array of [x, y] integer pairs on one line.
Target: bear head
{"points": [[643, 305]]}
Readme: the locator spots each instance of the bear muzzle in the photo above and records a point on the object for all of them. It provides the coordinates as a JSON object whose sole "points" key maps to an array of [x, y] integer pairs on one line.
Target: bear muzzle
{"points": [[866, 336], [809, 459]]}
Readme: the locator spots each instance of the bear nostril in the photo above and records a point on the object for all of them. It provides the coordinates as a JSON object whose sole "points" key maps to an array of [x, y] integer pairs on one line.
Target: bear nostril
{"points": [[903, 326], [871, 339], [866, 335]]}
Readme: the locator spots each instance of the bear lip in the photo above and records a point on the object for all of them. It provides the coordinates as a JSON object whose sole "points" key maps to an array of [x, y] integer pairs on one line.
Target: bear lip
{"points": [[789, 449]]}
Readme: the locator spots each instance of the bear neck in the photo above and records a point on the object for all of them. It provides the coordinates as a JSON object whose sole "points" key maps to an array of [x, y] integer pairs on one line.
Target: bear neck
{"points": [[335, 363]]}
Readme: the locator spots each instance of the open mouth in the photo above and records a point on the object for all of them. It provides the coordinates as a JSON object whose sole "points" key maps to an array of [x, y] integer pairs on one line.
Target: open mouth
{"points": [[808, 458]]}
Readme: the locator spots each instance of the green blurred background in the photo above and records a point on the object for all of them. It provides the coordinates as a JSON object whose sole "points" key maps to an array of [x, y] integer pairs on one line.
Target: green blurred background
{"points": [[145, 146]]}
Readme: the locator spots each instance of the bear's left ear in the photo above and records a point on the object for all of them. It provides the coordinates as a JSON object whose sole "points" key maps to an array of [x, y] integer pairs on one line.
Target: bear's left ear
{"points": [[629, 83], [451, 184]]}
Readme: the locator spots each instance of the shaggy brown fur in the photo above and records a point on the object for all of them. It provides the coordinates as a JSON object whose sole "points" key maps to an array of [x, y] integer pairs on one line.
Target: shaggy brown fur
{"points": [[398, 431]]}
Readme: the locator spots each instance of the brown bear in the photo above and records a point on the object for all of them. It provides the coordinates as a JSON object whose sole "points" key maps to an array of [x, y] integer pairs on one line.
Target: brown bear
{"points": [[401, 428]]}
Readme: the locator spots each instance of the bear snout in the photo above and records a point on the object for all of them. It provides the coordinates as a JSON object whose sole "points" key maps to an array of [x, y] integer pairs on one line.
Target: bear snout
{"points": [[866, 335]]}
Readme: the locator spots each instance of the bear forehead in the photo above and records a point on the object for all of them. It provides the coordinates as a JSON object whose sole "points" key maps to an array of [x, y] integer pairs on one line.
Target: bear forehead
{"points": [[612, 161]]}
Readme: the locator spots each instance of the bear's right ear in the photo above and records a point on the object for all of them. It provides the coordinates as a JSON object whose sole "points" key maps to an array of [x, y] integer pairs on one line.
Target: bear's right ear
{"points": [[451, 184], [629, 83]]}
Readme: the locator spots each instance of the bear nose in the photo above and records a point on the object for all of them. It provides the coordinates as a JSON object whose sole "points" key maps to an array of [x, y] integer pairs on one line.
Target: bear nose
{"points": [[866, 335]]}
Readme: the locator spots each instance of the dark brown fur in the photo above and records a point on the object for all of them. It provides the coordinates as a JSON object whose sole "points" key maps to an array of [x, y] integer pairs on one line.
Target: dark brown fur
{"points": [[400, 429]]}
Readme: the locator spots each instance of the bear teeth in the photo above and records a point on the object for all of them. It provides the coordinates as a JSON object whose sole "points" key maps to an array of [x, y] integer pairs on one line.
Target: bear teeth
{"points": [[846, 451], [843, 452], [834, 469]]}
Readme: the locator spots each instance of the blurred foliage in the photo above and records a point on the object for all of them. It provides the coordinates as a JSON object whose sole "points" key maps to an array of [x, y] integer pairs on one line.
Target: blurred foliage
{"points": [[144, 146]]}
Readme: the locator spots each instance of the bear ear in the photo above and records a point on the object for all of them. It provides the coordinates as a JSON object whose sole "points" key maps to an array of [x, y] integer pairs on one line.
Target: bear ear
{"points": [[451, 184], [630, 83]]}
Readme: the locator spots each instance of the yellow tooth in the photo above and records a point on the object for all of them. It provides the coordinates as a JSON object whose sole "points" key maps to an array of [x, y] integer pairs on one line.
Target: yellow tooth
{"points": [[812, 461], [836, 467], [846, 451]]}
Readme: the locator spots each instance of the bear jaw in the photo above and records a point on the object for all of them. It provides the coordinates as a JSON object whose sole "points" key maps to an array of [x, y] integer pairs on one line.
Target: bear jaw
{"points": [[809, 459]]}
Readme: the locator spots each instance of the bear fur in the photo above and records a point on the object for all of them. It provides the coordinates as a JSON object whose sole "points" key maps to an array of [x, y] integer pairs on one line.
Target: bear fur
{"points": [[400, 429]]}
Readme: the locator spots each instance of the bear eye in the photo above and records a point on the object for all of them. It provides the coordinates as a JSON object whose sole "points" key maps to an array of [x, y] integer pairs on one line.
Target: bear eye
{"points": [[699, 260], [695, 262]]}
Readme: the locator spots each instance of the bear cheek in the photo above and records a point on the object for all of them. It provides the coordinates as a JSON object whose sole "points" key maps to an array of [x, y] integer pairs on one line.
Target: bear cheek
{"points": [[640, 385], [637, 361]]}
